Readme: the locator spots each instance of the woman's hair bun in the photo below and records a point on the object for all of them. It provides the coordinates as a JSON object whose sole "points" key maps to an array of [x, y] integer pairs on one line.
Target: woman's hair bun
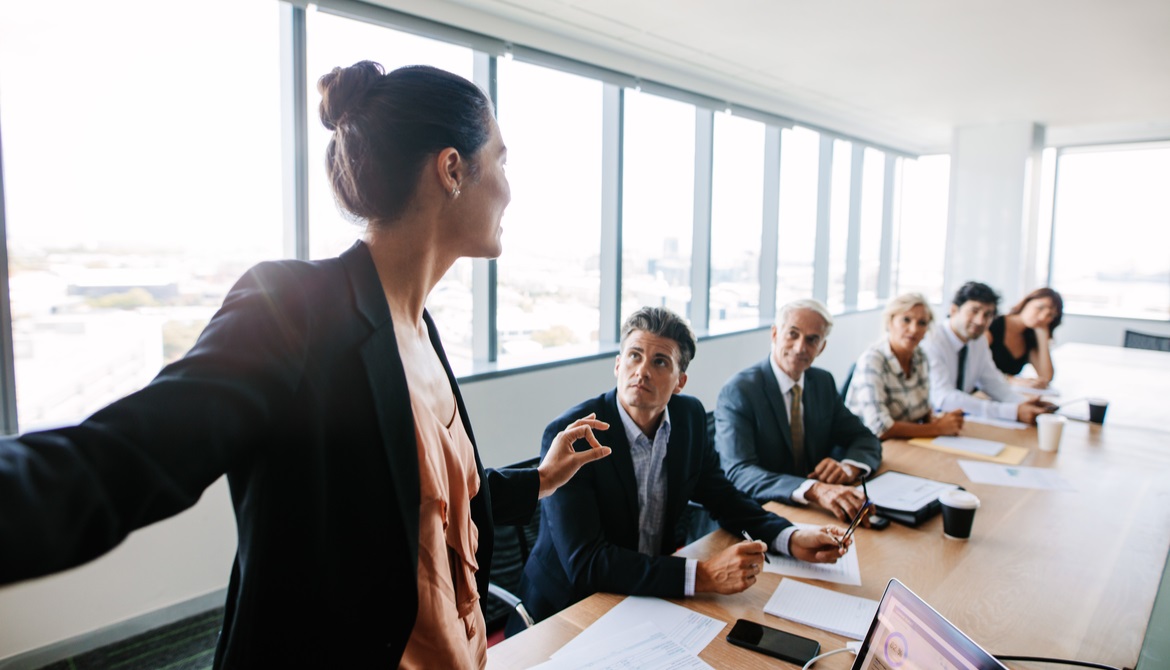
{"points": [[345, 89]]}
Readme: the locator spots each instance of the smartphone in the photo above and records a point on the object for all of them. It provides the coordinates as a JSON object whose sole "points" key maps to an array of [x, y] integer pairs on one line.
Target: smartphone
{"points": [[773, 642], [877, 522]]}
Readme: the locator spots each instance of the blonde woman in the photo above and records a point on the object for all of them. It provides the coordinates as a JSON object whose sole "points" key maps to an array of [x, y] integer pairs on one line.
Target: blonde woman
{"points": [[890, 388]]}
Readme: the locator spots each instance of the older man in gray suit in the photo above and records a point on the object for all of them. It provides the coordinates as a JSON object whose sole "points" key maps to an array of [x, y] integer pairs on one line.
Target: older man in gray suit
{"points": [[782, 430]]}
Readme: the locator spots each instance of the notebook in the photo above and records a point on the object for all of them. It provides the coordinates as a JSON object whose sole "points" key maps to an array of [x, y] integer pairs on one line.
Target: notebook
{"points": [[908, 634]]}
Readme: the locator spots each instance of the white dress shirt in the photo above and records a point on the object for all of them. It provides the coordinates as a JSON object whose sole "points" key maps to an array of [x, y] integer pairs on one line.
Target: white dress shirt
{"points": [[942, 351]]}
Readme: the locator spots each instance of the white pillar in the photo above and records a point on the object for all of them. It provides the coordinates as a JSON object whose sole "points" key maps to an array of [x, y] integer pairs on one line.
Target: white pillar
{"points": [[992, 226]]}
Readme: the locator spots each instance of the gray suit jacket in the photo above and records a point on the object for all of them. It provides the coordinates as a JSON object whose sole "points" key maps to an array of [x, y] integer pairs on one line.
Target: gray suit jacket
{"points": [[755, 441]]}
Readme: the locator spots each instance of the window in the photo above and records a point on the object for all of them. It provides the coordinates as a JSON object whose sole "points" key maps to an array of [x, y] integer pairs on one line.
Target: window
{"points": [[549, 275], [338, 42], [1111, 231], [923, 226], [799, 162], [658, 211], [872, 202], [839, 223], [737, 210], [142, 178]]}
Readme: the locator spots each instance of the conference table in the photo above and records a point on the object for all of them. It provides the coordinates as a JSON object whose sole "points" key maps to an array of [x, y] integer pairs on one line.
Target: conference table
{"points": [[1058, 573]]}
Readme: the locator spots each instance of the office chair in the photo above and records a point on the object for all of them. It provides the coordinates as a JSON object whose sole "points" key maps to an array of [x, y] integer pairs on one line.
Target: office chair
{"points": [[848, 378], [1136, 340], [509, 554]]}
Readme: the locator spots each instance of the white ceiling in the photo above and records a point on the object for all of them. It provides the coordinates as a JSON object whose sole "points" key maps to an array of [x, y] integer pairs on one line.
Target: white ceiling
{"points": [[903, 72]]}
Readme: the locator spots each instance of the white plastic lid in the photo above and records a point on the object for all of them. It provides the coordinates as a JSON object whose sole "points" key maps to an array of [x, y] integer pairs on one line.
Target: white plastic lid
{"points": [[959, 498]]}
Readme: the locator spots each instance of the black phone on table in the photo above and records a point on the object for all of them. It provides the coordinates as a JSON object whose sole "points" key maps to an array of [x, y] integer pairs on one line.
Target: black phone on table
{"points": [[773, 642]]}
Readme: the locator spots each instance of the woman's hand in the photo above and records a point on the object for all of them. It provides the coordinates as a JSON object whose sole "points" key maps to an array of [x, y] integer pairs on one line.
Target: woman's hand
{"points": [[948, 424], [562, 461]]}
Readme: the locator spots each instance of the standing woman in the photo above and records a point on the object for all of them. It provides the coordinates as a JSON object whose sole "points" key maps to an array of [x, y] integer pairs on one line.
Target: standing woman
{"points": [[1024, 335], [364, 516], [890, 387]]}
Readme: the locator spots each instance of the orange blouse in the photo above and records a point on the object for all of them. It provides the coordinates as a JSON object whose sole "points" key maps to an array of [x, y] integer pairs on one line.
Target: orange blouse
{"points": [[449, 631]]}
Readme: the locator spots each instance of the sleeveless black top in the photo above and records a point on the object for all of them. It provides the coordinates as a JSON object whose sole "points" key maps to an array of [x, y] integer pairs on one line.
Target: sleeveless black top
{"points": [[1003, 358]]}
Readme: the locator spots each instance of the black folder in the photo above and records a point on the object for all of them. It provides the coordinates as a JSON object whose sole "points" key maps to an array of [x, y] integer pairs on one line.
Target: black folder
{"points": [[907, 499]]}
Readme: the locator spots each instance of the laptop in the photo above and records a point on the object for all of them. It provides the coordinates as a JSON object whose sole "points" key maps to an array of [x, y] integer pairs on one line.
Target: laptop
{"points": [[907, 634]]}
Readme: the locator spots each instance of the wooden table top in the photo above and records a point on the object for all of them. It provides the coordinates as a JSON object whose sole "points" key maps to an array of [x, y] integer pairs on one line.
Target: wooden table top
{"points": [[1067, 574]]}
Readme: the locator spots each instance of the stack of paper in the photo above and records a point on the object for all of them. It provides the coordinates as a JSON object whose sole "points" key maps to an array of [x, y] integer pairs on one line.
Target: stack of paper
{"points": [[607, 640], [838, 613]]}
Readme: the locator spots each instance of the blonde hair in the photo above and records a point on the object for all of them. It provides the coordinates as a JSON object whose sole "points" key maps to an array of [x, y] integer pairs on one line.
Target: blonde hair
{"points": [[905, 303]]}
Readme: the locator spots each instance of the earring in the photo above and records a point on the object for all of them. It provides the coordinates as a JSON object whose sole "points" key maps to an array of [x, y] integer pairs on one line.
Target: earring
{"points": [[454, 192]]}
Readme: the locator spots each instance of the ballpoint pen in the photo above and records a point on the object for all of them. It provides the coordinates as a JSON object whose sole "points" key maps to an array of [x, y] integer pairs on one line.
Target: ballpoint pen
{"points": [[750, 539]]}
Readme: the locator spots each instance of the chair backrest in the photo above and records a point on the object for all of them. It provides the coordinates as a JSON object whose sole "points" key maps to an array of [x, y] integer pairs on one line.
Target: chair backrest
{"points": [[513, 544], [848, 378], [1136, 340]]}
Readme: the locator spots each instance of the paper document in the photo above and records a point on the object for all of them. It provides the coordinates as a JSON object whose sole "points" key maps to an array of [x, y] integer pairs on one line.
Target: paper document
{"points": [[643, 646], [838, 613], [845, 571], [903, 492], [998, 423], [688, 628], [971, 444], [1015, 475], [1009, 455]]}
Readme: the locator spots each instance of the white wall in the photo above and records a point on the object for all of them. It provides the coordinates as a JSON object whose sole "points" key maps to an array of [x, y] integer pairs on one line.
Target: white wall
{"points": [[159, 566]]}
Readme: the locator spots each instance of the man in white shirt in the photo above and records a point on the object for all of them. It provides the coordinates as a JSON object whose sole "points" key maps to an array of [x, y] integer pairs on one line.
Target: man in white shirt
{"points": [[960, 362]]}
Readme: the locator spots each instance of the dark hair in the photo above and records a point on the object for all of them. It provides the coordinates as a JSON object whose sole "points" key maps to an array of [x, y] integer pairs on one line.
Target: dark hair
{"points": [[1040, 294], [662, 322], [973, 290], [385, 127]]}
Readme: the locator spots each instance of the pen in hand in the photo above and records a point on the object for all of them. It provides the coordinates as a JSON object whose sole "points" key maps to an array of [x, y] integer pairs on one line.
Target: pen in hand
{"points": [[749, 539]]}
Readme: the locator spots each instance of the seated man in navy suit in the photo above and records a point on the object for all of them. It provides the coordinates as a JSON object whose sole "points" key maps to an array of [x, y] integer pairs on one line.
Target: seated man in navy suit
{"points": [[783, 431], [612, 528]]}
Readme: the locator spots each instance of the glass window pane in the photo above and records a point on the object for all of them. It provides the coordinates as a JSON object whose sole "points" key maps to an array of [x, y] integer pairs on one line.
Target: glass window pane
{"points": [[799, 163], [922, 230], [137, 193], [338, 42], [737, 210], [549, 275], [658, 207], [1111, 239], [839, 223], [873, 180]]}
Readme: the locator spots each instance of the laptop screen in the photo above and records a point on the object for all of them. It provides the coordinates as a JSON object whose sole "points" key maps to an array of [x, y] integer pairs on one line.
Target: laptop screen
{"points": [[907, 634]]}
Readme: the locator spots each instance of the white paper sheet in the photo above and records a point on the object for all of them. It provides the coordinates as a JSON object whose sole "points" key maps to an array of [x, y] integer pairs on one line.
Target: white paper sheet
{"points": [[999, 423], [845, 571], [686, 627], [838, 613], [1015, 475], [643, 646], [971, 444], [902, 492]]}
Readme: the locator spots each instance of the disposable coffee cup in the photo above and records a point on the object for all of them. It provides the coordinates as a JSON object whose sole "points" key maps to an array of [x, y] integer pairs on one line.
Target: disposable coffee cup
{"points": [[1097, 407], [958, 512], [1049, 428]]}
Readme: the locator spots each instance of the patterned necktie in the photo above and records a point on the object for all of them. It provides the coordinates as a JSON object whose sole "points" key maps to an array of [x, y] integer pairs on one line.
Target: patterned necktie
{"points": [[962, 367], [797, 421]]}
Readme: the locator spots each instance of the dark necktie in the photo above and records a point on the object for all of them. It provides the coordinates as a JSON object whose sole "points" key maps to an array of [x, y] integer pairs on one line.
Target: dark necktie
{"points": [[962, 366], [797, 421]]}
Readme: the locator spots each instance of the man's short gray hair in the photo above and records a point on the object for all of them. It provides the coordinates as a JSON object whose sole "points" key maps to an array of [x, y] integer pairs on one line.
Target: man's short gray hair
{"points": [[809, 304]]}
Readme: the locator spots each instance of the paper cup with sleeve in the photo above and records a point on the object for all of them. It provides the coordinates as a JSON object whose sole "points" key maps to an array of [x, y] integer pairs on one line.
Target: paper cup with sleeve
{"points": [[958, 512], [1049, 428]]}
